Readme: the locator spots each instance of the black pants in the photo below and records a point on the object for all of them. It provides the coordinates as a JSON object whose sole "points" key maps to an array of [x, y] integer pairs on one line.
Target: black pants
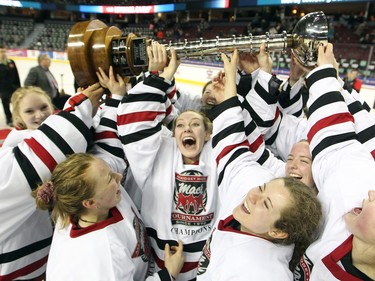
{"points": [[5, 99]]}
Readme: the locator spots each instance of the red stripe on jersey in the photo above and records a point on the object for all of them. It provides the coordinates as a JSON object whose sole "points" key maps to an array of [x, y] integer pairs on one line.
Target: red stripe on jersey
{"points": [[256, 144], [137, 117], [105, 135], [277, 114], [329, 121], [188, 266], [373, 154], [42, 153], [172, 93], [3, 134], [73, 101], [25, 270], [229, 148]]}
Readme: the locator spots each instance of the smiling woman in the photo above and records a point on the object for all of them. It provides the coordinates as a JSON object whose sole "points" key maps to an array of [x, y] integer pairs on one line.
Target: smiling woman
{"points": [[191, 130], [90, 209], [31, 106]]}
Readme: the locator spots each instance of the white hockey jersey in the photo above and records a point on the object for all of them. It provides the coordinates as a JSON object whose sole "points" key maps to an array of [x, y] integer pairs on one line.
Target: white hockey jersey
{"points": [[178, 200], [343, 170], [231, 254], [114, 249], [25, 232]]}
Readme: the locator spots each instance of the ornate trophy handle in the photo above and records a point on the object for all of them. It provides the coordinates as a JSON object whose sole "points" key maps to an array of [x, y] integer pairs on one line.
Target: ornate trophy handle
{"points": [[92, 44]]}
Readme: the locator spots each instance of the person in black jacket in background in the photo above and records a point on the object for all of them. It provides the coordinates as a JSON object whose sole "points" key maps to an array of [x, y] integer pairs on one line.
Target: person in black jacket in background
{"points": [[9, 82]]}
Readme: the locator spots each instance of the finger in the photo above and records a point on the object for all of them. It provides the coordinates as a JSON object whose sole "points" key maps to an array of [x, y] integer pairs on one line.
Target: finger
{"points": [[149, 52], [173, 53], [180, 245], [329, 48], [163, 52], [224, 58], [120, 79], [111, 74], [155, 50], [321, 49], [235, 56], [167, 249]]}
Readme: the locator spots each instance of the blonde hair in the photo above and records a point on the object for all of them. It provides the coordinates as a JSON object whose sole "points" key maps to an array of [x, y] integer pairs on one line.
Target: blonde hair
{"points": [[18, 95], [71, 185]]}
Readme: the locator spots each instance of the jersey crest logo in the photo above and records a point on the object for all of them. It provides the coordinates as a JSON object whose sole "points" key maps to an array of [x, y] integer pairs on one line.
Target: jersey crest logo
{"points": [[303, 270], [204, 260], [190, 193], [143, 248]]}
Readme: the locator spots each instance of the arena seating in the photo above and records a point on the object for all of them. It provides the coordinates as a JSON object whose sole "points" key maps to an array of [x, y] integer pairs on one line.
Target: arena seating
{"points": [[350, 53]]}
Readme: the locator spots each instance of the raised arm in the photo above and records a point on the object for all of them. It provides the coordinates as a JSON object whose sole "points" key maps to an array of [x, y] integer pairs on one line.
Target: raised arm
{"points": [[230, 142], [140, 117], [34, 159]]}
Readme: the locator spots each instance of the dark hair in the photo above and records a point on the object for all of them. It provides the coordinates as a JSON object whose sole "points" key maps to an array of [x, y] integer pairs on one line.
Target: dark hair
{"points": [[301, 220]]}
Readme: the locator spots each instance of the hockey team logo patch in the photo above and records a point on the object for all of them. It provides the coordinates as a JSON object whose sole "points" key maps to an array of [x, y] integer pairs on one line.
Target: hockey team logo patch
{"points": [[205, 258], [303, 270], [143, 248], [190, 198]]}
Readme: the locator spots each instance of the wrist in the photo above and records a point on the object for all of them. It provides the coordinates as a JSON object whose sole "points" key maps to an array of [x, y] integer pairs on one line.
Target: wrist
{"points": [[155, 72]]}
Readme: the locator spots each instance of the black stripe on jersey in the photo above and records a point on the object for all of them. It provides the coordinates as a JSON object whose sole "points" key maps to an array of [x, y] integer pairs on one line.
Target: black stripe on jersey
{"points": [[164, 274], [188, 248], [56, 139], [27, 250], [367, 134], [112, 102], [285, 100], [79, 124], [258, 120], [325, 99], [116, 151], [355, 107], [265, 95], [263, 158], [250, 128], [109, 123], [233, 157], [140, 135], [229, 103], [272, 138], [366, 106], [321, 74], [27, 168], [234, 128], [331, 140], [157, 82], [144, 97], [244, 85]]}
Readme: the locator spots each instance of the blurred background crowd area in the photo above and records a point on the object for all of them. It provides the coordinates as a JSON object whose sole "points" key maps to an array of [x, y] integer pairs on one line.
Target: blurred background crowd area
{"points": [[351, 27]]}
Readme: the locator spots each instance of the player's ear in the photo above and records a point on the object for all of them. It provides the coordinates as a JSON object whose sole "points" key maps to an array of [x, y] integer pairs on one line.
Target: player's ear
{"points": [[277, 234]]}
